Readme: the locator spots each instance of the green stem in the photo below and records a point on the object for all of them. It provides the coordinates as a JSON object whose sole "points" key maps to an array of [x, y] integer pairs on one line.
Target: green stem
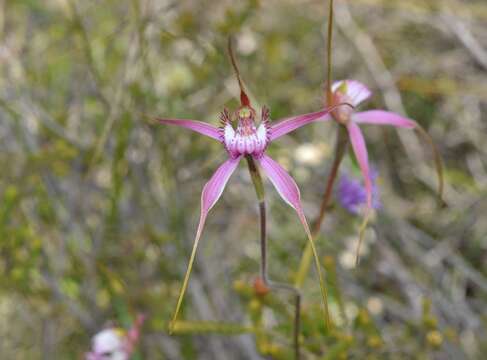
{"points": [[203, 327], [330, 266], [340, 149], [256, 178]]}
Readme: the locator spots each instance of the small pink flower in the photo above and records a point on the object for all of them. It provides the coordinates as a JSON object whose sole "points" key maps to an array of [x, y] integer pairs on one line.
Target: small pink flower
{"points": [[115, 343], [108, 344]]}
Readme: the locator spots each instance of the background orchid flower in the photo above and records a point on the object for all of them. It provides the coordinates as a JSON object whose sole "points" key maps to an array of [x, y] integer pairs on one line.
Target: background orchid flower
{"points": [[108, 344], [354, 92]]}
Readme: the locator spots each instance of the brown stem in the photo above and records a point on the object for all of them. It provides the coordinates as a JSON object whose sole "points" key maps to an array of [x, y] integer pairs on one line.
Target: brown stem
{"points": [[259, 188], [340, 149]]}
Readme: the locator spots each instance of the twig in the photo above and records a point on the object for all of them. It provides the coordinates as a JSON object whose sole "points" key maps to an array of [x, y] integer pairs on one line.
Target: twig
{"points": [[466, 38]]}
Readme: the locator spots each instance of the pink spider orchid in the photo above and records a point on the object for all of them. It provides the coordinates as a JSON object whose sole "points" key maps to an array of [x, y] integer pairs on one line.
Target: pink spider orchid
{"points": [[248, 139], [354, 92]]}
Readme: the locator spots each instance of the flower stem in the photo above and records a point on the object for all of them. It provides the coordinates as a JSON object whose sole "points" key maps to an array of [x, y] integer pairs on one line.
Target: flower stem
{"points": [[195, 327], [329, 96], [184, 287], [259, 189], [340, 149]]}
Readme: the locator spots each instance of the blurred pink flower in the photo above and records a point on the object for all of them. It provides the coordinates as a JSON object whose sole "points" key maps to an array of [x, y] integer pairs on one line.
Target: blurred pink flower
{"points": [[115, 343]]}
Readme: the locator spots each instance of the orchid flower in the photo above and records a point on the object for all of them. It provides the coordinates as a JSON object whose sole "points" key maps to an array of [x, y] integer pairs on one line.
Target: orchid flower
{"points": [[248, 139], [115, 343], [354, 92]]}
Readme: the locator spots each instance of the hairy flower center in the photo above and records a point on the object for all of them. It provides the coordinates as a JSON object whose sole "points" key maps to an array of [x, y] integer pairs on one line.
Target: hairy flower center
{"points": [[247, 139], [246, 127]]}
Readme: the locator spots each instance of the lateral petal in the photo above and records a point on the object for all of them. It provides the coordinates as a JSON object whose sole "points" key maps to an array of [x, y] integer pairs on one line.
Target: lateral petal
{"points": [[195, 125], [292, 123]]}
